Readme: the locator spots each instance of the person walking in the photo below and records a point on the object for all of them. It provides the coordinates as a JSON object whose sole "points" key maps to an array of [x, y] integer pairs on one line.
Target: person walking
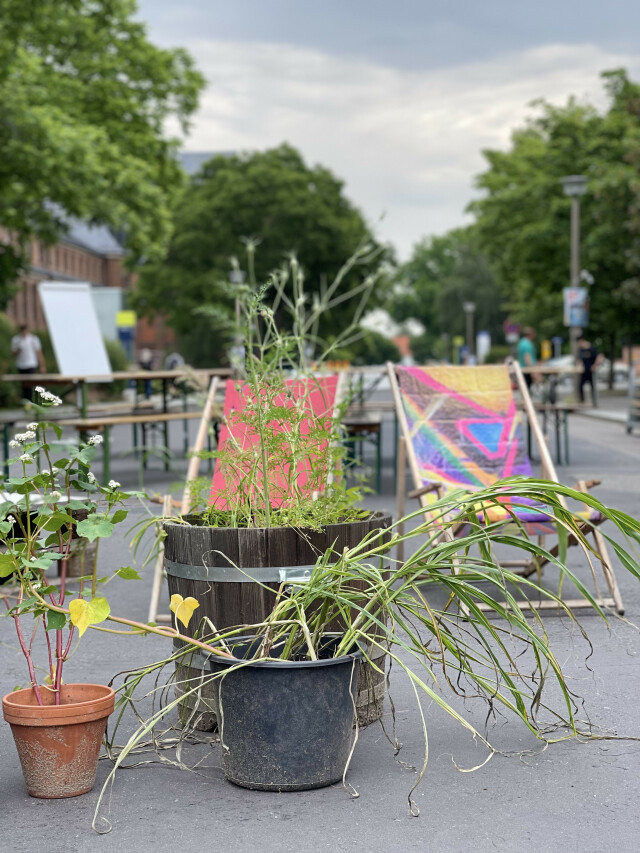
{"points": [[27, 352], [589, 357], [526, 354]]}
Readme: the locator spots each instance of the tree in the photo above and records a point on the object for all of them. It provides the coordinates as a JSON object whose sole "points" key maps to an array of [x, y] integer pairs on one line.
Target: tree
{"points": [[277, 201], [443, 273], [523, 219], [85, 97]]}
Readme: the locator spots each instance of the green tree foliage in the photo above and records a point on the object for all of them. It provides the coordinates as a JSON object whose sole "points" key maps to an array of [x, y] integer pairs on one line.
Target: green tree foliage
{"points": [[523, 220], [271, 197], [85, 97], [443, 273]]}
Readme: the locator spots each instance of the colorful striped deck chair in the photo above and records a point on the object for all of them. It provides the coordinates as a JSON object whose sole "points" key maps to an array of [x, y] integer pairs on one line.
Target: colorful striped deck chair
{"points": [[460, 428]]}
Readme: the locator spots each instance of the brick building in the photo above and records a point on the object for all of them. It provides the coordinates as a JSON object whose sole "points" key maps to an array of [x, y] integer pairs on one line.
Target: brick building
{"points": [[85, 254]]}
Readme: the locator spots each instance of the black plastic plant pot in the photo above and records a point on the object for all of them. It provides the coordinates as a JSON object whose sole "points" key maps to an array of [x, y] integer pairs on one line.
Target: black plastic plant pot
{"points": [[285, 725]]}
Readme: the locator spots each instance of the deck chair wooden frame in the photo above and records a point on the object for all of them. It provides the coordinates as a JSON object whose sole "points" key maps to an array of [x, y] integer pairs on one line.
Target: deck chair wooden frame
{"points": [[422, 490], [168, 503], [192, 472]]}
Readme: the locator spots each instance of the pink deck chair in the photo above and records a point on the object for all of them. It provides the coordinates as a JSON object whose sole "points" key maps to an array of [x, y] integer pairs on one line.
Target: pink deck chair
{"points": [[320, 396]]}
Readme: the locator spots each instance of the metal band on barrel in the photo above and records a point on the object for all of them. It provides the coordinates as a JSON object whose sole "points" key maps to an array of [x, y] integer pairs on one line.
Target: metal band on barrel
{"points": [[230, 574]]}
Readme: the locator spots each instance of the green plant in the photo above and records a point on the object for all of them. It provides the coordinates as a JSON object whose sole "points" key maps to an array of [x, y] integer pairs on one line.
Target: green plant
{"points": [[426, 615], [45, 509], [282, 461]]}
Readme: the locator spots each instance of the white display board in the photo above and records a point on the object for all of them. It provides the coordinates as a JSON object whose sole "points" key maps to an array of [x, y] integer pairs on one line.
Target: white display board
{"points": [[73, 325]]}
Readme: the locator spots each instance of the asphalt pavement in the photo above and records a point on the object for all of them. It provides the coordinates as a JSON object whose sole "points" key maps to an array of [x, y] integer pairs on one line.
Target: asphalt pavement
{"points": [[569, 797]]}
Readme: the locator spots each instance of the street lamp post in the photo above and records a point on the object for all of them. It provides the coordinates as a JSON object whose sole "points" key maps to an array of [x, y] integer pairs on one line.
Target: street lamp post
{"points": [[574, 186], [469, 309]]}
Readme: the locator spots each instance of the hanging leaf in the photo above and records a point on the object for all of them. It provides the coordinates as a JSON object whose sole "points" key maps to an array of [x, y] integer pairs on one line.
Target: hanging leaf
{"points": [[128, 574], [84, 613], [95, 527], [183, 608]]}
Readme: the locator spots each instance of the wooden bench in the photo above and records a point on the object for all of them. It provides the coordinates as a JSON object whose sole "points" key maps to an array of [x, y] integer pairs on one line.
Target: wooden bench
{"points": [[103, 425]]}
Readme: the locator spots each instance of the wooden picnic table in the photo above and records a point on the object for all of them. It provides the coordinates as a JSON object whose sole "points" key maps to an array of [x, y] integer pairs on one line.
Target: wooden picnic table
{"points": [[79, 382], [105, 423]]}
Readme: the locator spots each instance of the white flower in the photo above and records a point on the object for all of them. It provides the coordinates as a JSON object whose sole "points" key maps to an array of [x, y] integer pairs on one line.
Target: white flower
{"points": [[24, 436], [33, 559], [45, 471], [48, 396], [56, 496], [26, 459], [11, 519], [113, 484], [91, 477], [33, 426], [95, 439], [14, 443]]}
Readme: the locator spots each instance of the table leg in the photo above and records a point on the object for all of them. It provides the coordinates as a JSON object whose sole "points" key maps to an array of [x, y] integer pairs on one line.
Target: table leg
{"points": [[106, 455], [565, 417], [136, 452], [558, 442], [379, 460], [81, 398], [165, 426], [143, 430], [5, 447]]}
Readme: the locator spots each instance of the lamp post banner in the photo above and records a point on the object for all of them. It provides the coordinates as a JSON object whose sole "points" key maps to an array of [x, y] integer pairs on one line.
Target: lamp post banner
{"points": [[576, 306]]}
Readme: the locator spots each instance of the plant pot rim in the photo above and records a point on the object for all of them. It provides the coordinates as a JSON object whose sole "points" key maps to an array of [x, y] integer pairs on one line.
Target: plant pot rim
{"points": [[281, 664], [17, 711], [373, 514]]}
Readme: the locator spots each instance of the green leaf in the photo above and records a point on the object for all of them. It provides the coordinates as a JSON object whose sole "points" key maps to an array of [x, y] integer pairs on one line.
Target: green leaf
{"points": [[7, 565], [128, 574], [5, 527], [44, 561], [76, 504], [56, 621], [95, 527], [56, 521], [119, 515]]}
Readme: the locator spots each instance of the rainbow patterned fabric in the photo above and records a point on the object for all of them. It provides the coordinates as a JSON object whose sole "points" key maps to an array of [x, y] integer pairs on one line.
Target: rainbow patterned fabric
{"points": [[465, 429]]}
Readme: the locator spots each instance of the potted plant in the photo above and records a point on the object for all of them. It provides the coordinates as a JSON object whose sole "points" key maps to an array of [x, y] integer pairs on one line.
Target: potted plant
{"points": [[285, 719], [53, 505], [280, 497]]}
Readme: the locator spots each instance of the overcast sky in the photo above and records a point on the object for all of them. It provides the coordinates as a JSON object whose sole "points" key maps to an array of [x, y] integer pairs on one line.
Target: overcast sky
{"points": [[397, 97]]}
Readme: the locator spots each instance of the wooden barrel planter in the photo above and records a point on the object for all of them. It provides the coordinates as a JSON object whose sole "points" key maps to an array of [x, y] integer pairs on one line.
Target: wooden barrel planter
{"points": [[197, 561]]}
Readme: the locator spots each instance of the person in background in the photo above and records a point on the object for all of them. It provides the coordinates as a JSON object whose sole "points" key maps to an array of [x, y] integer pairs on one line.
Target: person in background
{"points": [[589, 357], [27, 352], [526, 354], [173, 361], [145, 360]]}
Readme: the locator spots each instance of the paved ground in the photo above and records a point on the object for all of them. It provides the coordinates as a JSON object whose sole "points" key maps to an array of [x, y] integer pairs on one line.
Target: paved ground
{"points": [[571, 797]]}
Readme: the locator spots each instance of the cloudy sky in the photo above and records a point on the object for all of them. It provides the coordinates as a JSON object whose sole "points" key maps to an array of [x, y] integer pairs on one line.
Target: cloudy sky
{"points": [[397, 97]]}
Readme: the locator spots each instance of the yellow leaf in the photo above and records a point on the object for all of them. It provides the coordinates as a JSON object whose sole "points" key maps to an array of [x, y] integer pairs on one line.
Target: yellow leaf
{"points": [[84, 613], [183, 608]]}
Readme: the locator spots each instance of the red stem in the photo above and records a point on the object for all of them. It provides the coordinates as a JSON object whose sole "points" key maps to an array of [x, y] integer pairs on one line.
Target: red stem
{"points": [[27, 654]]}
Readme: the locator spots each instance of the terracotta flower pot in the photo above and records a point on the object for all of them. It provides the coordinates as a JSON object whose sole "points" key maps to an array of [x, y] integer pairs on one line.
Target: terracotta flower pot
{"points": [[59, 745]]}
